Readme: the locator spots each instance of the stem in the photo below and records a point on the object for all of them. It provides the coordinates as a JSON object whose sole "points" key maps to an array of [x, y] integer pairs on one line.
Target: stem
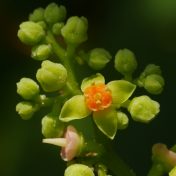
{"points": [[66, 58], [115, 164], [110, 158], [58, 50]]}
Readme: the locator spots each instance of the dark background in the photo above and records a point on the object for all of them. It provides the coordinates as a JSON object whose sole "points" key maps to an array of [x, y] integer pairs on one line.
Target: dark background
{"points": [[146, 27]]}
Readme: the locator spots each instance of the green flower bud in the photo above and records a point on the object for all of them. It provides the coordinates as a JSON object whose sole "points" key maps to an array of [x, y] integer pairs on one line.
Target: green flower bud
{"points": [[143, 109], [78, 170], [27, 88], [52, 76], [125, 61], [154, 83], [122, 120], [54, 13], [152, 69], [41, 52], [30, 33], [52, 126], [26, 110], [149, 69], [75, 30], [56, 29], [98, 58], [37, 15]]}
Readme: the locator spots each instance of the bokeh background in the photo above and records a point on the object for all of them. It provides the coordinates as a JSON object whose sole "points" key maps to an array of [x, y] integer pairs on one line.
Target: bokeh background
{"points": [[147, 27]]}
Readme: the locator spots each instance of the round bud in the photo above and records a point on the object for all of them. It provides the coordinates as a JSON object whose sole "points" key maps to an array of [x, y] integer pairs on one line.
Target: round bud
{"points": [[30, 33], [149, 69], [54, 13], [41, 52], [154, 83], [26, 110], [98, 58], [37, 15], [78, 170], [52, 76], [152, 69], [27, 88], [125, 61], [75, 30], [56, 29], [52, 126], [122, 120], [143, 108]]}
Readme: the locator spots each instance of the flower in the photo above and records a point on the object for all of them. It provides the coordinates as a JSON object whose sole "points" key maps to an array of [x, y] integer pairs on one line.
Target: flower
{"points": [[100, 99], [71, 143]]}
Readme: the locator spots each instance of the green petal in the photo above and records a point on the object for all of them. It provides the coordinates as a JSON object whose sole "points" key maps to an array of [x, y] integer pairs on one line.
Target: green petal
{"points": [[106, 120], [121, 91], [94, 79], [74, 108]]}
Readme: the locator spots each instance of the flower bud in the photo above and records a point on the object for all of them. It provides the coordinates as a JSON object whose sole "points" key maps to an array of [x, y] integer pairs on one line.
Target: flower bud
{"points": [[122, 120], [164, 156], [52, 76], [98, 58], [71, 143], [41, 52], [37, 15], [27, 88], [54, 13], [143, 109], [78, 170], [75, 30], [56, 29], [149, 69], [52, 126], [152, 69], [26, 110], [125, 61], [154, 83], [30, 33]]}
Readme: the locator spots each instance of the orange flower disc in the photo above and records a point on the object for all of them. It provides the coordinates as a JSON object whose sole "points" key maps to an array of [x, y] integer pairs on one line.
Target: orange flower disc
{"points": [[97, 97]]}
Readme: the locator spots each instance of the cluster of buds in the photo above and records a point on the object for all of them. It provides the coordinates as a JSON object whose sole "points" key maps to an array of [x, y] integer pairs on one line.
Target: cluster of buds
{"points": [[55, 43]]}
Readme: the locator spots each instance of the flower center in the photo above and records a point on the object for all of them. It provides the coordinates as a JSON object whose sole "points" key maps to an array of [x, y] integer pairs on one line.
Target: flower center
{"points": [[97, 97]]}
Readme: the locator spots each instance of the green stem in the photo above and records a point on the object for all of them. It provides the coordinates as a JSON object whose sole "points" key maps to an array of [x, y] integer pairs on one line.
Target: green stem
{"points": [[58, 50], [110, 158], [66, 57], [115, 164]]}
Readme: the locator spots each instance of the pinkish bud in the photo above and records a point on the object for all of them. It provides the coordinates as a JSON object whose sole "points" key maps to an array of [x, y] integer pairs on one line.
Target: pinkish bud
{"points": [[71, 143], [163, 155]]}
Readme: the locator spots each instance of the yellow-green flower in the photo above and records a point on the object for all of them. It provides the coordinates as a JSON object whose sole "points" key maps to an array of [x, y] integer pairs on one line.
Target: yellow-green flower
{"points": [[100, 99]]}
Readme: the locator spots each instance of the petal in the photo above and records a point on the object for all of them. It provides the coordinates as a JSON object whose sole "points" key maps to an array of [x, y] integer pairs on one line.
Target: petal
{"points": [[94, 79], [74, 108], [121, 91], [106, 120]]}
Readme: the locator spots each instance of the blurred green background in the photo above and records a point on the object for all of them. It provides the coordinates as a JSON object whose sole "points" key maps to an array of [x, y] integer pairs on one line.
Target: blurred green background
{"points": [[147, 27]]}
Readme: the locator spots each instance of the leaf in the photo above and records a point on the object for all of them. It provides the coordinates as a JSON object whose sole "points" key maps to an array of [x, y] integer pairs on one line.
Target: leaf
{"points": [[74, 108], [107, 121], [94, 79], [121, 90]]}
